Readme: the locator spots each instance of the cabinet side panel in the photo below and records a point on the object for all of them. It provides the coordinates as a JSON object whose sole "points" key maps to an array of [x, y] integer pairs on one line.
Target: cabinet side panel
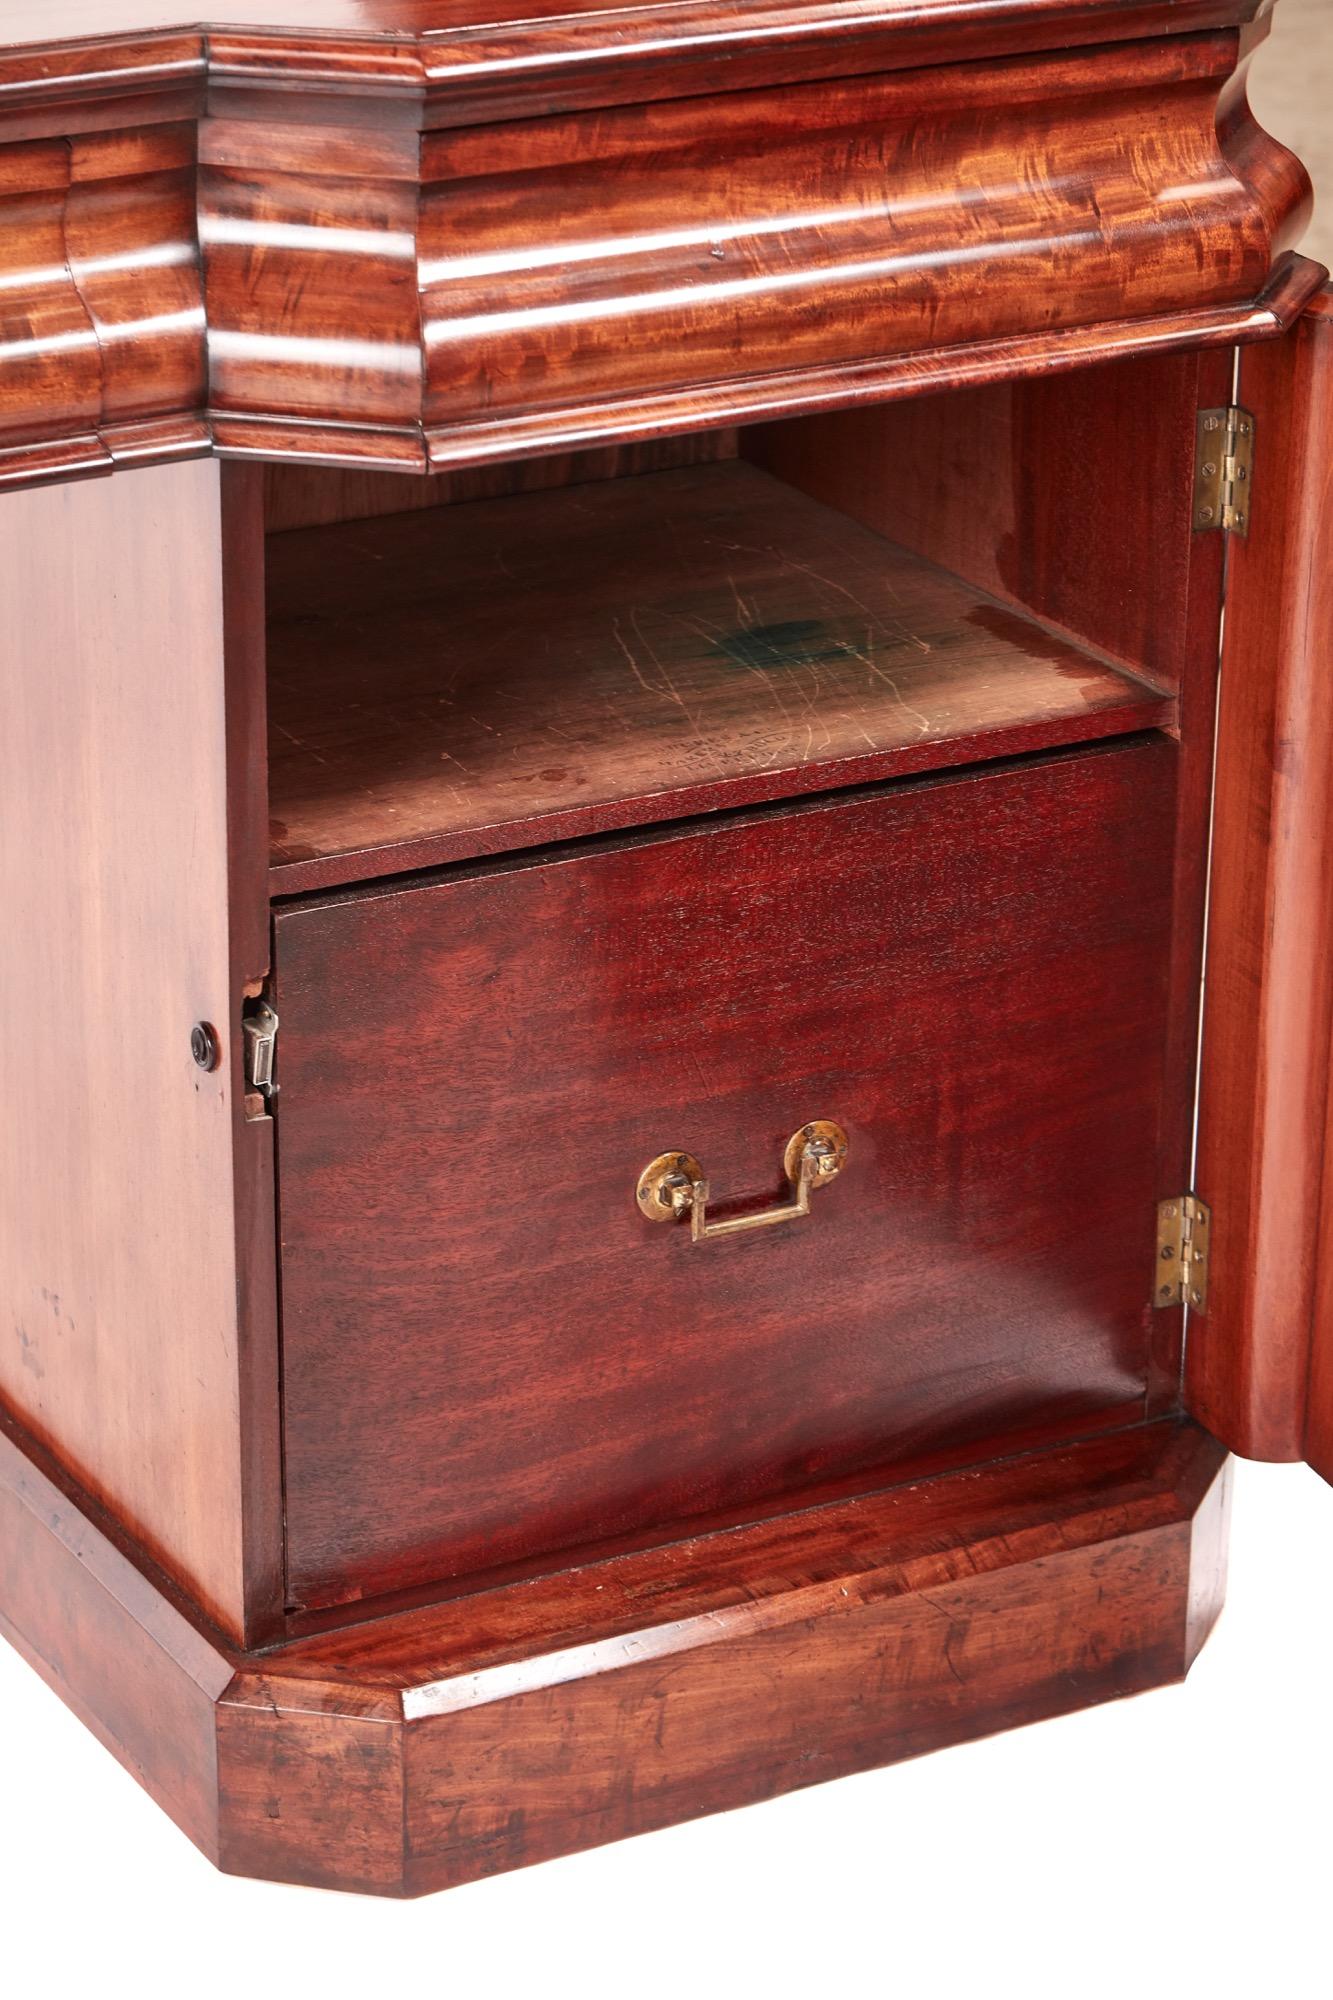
{"points": [[1269, 1005], [118, 1246]]}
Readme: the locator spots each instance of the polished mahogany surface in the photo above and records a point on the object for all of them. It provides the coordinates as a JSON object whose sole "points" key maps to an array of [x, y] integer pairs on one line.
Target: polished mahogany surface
{"points": [[38, 23], [1260, 1366], [137, 1295], [447, 239], [993, 484], [607, 655], [427, 1749], [488, 1352], [813, 228], [442, 237]]}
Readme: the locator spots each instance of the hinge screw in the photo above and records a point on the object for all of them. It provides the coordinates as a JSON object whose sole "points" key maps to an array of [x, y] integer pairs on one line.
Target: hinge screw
{"points": [[204, 1045]]}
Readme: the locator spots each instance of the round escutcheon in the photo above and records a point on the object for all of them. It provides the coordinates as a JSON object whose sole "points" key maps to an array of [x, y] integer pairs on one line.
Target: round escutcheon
{"points": [[660, 1179], [204, 1045], [828, 1143]]}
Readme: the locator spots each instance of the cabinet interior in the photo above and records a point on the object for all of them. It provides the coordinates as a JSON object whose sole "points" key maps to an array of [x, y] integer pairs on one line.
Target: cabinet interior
{"points": [[495, 659], [995, 595]]}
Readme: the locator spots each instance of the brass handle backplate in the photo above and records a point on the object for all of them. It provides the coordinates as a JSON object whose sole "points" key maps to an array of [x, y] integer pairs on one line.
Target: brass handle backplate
{"points": [[675, 1184]]}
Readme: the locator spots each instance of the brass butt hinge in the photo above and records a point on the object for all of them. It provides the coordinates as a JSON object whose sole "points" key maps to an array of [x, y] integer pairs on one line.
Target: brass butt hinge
{"points": [[259, 1025], [1184, 1231], [1223, 470]]}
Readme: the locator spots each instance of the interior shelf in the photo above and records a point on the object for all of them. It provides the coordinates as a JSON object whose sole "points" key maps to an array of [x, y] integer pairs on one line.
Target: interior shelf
{"points": [[487, 676]]}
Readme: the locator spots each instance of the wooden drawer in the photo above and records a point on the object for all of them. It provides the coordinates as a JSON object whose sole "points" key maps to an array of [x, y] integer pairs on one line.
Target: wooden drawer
{"points": [[602, 267], [490, 1353]]}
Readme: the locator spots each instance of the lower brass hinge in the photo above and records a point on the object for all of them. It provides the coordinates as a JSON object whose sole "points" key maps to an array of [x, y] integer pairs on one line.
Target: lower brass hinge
{"points": [[1224, 470], [1184, 1230]]}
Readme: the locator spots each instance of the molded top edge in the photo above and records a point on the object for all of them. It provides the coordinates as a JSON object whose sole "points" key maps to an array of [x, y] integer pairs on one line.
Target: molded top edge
{"points": [[53, 44]]}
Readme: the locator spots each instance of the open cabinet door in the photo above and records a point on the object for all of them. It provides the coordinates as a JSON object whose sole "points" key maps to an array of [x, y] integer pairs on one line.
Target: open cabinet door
{"points": [[1259, 1362]]}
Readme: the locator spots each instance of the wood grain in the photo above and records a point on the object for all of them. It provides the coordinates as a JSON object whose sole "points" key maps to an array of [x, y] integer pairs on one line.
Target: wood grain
{"points": [[488, 1352], [318, 496], [124, 1173], [1269, 1006], [805, 1671], [421, 250], [101, 307], [605, 656], [428, 1749], [1014, 487], [846, 385], [1070, 497], [498, 60], [129, 234], [671, 248], [113, 1642]]}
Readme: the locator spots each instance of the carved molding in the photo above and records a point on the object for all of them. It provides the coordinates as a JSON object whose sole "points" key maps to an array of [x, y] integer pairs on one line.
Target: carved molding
{"points": [[359, 251]]}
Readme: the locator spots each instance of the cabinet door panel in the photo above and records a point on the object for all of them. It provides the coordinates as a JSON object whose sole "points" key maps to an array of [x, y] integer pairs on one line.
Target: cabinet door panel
{"points": [[1258, 1372]]}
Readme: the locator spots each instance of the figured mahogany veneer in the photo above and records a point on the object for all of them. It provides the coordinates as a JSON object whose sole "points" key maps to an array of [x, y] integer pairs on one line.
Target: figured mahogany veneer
{"points": [[430, 1748], [443, 241], [636, 650], [502, 61]]}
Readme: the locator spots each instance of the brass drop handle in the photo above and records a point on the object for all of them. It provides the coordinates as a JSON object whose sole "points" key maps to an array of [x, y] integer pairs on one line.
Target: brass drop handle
{"points": [[675, 1185]]}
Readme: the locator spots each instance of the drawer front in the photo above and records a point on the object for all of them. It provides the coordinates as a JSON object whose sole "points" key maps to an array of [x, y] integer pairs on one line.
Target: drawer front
{"points": [[489, 1352], [574, 263], [576, 275]]}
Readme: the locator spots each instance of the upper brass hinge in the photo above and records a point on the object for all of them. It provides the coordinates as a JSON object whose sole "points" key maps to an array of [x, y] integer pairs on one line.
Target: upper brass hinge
{"points": [[1223, 470], [1184, 1232]]}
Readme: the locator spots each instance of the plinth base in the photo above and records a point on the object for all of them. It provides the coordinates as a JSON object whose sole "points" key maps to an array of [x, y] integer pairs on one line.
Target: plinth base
{"points": [[437, 1745]]}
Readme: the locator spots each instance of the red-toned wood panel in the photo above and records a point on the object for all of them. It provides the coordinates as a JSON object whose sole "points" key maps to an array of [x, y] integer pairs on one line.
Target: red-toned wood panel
{"points": [[582, 660], [109, 1640], [342, 340], [1258, 1371], [781, 1687], [50, 369], [629, 1694], [428, 1748], [1069, 496], [316, 496], [137, 1265], [672, 247], [499, 59], [134, 255], [101, 313], [1072, 497], [530, 236], [489, 1352]]}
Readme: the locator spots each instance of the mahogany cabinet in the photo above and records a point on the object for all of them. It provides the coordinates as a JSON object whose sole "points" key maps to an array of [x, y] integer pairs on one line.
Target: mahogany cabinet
{"points": [[665, 796]]}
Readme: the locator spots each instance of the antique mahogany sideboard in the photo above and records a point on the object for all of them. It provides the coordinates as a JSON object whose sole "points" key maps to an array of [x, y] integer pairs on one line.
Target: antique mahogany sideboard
{"points": [[610, 626]]}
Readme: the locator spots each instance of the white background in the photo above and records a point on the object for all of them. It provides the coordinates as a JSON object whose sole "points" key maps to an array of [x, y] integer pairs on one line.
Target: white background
{"points": [[1176, 1844]]}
